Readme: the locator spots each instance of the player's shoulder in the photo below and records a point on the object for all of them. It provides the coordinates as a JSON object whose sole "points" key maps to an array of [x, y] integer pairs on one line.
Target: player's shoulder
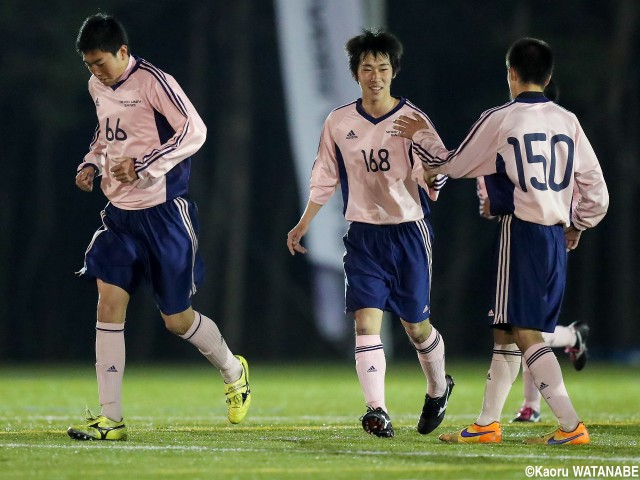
{"points": [[503, 108], [564, 110], [342, 109], [338, 113], [411, 108], [146, 68], [409, 105]]}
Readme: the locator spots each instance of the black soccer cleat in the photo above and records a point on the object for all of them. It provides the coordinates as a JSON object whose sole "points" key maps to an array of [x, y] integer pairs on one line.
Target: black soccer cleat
{"points": [[578, 353], [377, 422], [434, 409]]}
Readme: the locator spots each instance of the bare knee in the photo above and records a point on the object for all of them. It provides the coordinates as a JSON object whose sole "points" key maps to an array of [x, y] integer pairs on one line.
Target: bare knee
{"points": [[179, 323], [368, 321], [418, 332], [112, 303]]}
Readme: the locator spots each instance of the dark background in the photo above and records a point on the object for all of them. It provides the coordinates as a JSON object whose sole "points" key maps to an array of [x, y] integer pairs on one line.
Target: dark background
{"points": [[225, 56]]}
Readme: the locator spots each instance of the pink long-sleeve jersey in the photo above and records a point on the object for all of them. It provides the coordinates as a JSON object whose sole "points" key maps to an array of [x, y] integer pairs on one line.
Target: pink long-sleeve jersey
{"points": [[533, 154], [380, 181], [145, 116]]}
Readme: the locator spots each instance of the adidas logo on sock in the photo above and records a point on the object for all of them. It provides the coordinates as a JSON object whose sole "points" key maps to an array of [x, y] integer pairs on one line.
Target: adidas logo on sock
{"points": [[372, 369], [351, 135], [112, 369], [543, 386]]}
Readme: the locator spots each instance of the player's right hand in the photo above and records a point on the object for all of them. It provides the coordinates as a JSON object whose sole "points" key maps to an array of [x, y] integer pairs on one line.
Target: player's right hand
{"points": [[572, 237], [84, 178], [294, 237]]}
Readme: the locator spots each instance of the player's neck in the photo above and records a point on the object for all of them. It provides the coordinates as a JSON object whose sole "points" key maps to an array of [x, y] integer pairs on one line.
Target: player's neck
{"points": [[378, 107], [518, 88]]}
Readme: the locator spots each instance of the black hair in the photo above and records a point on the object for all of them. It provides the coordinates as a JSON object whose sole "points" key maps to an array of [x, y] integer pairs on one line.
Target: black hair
{"points": [[101, 32], [552, 91], [377, 42], [532, 59]]}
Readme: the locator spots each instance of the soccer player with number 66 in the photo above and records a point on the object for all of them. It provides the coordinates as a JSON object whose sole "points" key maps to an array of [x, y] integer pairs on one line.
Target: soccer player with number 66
{"points": [[147, 131]]}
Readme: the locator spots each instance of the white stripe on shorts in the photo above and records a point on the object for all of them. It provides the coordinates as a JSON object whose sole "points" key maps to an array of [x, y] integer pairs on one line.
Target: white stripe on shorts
{"points": [[502, 282], [183, 208], [426, 239]]}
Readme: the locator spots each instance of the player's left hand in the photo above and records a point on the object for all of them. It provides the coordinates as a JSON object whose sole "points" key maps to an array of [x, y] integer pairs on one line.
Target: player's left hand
{"points": [[123, 170], [572, 237], [407, 126]]}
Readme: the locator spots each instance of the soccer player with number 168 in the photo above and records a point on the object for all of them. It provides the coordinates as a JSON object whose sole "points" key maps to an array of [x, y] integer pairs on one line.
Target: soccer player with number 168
{"points": [[388, 246], [532, 152]]}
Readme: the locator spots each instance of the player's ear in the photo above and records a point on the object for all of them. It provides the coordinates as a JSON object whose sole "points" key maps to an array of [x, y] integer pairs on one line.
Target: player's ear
{"points": [[513, 75]]}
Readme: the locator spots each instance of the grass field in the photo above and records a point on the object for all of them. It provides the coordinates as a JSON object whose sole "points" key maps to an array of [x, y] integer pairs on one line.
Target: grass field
{"points": [[303, 424]]}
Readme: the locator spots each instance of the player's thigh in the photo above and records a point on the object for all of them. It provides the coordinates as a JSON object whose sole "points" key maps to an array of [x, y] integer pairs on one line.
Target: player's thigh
{"points": [[366, 281], [530, 268], [114, 253], [411, 288], [174, 263]]}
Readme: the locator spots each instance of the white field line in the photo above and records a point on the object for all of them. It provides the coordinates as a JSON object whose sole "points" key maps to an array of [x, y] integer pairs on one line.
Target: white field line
{"points": [[588, 459]]}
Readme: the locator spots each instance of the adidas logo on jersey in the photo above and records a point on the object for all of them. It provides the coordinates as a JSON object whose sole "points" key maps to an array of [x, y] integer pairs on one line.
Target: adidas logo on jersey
{"points": [[372, 369], [97, 102], [543, 386], [351, 135], [112, 369]]}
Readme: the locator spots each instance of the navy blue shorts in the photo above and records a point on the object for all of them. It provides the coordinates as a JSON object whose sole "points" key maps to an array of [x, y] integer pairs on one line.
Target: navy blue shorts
{"points": [[389, 267], [158, 245], [530, 275]]}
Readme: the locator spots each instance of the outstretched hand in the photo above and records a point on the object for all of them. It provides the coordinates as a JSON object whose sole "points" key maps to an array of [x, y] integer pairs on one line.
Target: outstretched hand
{"points": [[407, 126]]}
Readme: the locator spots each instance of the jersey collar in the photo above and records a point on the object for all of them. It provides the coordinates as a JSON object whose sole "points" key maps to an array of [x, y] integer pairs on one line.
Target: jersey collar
{"points": [[373, 120], [531, 97], [134, 63]]}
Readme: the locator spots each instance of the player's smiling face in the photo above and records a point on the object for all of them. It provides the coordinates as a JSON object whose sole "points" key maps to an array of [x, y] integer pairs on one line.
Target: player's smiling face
{"points": [[106, 66], [374, 76]]}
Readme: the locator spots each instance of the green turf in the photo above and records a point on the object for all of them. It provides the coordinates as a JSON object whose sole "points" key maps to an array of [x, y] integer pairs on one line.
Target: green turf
{"points": [[303, 425]]}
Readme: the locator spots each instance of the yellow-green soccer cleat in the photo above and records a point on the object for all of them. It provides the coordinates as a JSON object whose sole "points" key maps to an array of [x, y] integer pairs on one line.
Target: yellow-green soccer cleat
{"points": [[238, 394], [579, 436], [98, 428]]}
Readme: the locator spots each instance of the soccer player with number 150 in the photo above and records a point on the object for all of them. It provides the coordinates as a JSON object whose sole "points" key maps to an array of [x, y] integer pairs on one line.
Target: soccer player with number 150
{"points": [[532, 153]]}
